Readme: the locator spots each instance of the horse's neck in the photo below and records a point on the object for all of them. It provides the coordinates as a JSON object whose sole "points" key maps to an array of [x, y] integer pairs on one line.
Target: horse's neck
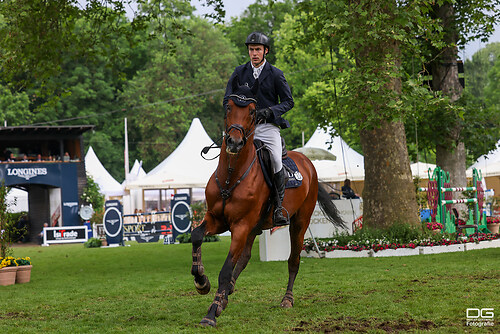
{"points": [[237, 163]]}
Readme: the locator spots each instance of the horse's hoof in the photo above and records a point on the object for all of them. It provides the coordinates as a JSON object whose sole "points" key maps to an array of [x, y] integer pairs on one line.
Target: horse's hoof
{"points": [[207, 322], [287, 301], [203, 288]]}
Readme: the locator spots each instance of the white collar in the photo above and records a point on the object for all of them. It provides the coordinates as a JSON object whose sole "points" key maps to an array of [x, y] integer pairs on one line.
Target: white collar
{"points": [[258, 70]]}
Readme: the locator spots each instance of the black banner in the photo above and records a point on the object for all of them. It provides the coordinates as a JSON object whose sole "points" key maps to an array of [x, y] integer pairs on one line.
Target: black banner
{"points": [[181, 214], [113, 222], [65, 234], [147, 232]]}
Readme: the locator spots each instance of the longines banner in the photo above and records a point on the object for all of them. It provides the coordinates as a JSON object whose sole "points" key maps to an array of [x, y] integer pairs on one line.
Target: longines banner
{"points": [[59, 175], [43, 173], [65, 234], [181, 214], [113, 222]]}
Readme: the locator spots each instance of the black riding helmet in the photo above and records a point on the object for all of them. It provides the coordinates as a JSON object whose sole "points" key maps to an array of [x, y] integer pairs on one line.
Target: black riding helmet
{"points": [[258, 38]]}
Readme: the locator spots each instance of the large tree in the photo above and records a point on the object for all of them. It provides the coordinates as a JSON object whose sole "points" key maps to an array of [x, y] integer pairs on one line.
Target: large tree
{"points": [[456, 19], [375, 36]]}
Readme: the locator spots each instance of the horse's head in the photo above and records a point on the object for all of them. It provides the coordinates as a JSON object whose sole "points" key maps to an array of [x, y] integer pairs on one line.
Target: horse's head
{"points": [[240, 116]]}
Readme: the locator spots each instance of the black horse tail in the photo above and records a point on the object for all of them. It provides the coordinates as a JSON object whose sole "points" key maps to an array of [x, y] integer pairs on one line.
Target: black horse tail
{"points": [[329, 209]]}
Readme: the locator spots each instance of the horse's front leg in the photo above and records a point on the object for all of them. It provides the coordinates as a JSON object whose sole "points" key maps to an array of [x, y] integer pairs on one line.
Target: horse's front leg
{"points": [[242, 262], [201, 281], [238, 241]]}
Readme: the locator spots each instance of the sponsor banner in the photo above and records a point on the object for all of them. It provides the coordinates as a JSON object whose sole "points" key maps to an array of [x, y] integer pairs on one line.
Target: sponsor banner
{"points": [[64, 234], [113, 222], [146, 232], [147, 228], [181, 214], [321, 227]]}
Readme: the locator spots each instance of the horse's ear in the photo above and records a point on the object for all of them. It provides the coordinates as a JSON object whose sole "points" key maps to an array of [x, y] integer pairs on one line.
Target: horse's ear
{"points": [[235, 84], [255, 88]]}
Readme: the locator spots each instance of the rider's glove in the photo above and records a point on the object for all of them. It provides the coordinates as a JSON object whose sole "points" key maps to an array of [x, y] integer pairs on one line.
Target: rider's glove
{"points": [[263, 114]]}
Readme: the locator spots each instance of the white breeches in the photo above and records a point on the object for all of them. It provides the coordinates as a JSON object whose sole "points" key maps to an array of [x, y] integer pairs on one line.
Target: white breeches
{"points": [[270, 136]]}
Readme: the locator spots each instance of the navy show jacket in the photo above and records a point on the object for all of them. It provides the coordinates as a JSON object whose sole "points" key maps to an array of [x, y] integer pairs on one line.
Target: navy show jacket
{"points": [[273, 93]]}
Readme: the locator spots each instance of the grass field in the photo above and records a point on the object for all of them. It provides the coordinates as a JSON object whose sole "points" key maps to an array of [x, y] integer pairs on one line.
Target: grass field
{"points": [[148, 288]]}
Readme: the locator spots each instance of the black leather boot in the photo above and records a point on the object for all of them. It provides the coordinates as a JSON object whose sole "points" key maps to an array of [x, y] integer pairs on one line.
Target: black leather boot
{"points": [[279, 194]]}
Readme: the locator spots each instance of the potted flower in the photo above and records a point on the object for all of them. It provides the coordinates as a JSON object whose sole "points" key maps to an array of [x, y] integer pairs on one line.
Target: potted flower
{"points": [[493, 224], [24, 266], [8, 269]]}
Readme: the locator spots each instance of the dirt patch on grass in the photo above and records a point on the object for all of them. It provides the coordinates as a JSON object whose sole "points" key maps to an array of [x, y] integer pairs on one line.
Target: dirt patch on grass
{"points": [[14, 315], [345, 324]]}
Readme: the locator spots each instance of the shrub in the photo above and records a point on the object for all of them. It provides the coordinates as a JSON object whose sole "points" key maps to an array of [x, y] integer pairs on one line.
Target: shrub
{"points": [[93, 243]]}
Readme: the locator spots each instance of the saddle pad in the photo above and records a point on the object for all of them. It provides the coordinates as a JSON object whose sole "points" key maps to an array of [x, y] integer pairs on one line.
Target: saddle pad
{"points": [[294, 178]]}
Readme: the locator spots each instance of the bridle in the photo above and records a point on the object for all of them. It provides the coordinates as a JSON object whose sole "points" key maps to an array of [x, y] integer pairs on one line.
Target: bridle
{"points": [[246, 133]]}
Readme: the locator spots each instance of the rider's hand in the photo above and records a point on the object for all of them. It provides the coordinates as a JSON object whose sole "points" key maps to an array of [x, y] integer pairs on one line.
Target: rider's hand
{"points": [[263, 114]]}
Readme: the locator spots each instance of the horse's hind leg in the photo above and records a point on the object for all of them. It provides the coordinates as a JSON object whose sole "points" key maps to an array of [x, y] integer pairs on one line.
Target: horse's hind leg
{"points": [[201, 281]]}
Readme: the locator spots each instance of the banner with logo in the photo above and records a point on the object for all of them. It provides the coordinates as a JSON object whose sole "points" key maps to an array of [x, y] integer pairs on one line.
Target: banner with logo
{"points": [[59, 175], [147, 232], [65, 234], [181, 214], [113, 222]]}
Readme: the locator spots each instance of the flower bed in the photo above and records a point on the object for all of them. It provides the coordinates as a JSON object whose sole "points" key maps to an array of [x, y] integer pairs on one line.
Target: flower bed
{"points": [[385, 244]]}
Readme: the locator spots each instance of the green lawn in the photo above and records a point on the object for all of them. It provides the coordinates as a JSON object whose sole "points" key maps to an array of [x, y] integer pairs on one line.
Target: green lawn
{"points": [[149, 288]]}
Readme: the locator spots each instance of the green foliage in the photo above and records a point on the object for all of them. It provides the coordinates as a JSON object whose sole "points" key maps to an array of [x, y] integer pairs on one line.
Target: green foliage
{"points": [[198, 209], [92, 195], [93, 243], [263, 16], [24, 261], [397, 233], [9, 232], [175, 88], [14, 107], [186, 238]]}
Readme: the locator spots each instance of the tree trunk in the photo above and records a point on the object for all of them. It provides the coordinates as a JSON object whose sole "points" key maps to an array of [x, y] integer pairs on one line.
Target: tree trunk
{"points": [[389, 195], [450, 151]]}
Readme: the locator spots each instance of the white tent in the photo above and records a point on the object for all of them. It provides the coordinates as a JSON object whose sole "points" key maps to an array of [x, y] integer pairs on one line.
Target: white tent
{"points": [[107, 184], [185, 167], [136, 173], [421, 169], [133, 199], [19, 198], [336, 171], [489, 164]]}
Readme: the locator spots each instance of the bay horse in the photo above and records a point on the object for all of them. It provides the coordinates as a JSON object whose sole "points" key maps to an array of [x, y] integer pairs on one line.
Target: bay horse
{"points": [[240, 203]]}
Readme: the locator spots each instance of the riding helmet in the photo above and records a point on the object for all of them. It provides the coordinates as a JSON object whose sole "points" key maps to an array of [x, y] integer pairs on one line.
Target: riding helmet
{"points": [[258, 38]]}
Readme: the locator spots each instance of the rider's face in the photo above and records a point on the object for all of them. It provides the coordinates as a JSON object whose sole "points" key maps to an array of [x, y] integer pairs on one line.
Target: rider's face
{"points": [[256, 53]]}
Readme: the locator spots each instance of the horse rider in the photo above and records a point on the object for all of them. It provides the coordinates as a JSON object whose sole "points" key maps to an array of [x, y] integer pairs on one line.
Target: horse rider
{"points": [[274, 98]]}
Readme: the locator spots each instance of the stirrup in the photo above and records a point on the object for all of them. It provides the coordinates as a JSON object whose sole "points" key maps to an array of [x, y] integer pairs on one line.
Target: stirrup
{"points": [[286, 219]]}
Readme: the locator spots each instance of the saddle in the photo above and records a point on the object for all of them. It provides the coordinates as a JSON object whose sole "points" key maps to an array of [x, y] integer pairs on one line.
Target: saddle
{"points": [[293, 176]]}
